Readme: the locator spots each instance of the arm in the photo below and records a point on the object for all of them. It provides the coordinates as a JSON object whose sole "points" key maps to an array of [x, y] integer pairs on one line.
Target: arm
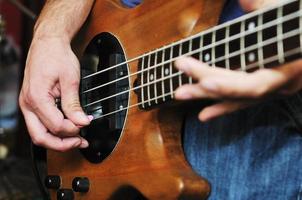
{"points": [[52, 71], [237, 90]]}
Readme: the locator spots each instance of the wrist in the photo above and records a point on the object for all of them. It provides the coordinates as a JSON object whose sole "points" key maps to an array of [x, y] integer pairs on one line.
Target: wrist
{"points": [[44, 31]]}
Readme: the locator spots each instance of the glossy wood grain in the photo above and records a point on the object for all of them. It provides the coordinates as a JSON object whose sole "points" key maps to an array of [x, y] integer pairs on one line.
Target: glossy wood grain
{"points": [[149, 155]]}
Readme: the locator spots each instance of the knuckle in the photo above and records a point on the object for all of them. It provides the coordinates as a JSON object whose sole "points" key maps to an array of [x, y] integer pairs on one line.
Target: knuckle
{"points": [[57, 128], [31, 97], [37, 140], [21, 101], [73, 105]]}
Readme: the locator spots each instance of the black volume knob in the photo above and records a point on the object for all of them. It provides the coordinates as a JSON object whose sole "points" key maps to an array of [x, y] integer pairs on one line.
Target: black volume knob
{"points": [[52, 182], [80, 184], [65, 194]]}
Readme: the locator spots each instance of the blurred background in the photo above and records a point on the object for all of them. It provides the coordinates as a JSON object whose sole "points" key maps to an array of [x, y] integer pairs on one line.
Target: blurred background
{"points": [[17, 180]]}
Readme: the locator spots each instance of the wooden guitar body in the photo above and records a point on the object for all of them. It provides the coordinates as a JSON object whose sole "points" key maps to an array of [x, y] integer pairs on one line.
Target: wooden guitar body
{"points": [[148, 158]]}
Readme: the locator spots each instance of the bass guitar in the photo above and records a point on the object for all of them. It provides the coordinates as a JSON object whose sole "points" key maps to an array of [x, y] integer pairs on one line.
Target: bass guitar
{"points": [[128, 83]]}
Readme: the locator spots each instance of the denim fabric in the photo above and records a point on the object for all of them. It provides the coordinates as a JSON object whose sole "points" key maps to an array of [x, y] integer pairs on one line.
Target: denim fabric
{"points": [[250, 154]]}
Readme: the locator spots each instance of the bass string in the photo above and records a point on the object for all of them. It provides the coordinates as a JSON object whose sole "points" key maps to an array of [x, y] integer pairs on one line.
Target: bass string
{"points": [[202, 49], [251, 48], [224, 25], [267, 60]]}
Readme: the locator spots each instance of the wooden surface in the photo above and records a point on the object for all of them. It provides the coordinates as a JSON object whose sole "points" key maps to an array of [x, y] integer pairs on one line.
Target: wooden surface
{"points": [[149, 155]]}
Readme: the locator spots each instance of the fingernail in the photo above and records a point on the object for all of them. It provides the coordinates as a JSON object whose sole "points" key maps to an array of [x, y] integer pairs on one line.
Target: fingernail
{"points": [[209, 85], [90, 117], [84, 144], [81, 116]]}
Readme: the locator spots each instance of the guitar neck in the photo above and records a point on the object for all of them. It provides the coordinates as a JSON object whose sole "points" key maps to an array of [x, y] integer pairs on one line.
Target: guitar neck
{"points": [[262, 39]]}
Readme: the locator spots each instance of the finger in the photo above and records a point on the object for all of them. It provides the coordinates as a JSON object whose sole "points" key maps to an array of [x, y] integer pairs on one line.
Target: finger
{"points": [[70, 100], [52, 117], [222, 108], [192, 67], [194, 91], [243, 85], [249, 5], [41, 137]]}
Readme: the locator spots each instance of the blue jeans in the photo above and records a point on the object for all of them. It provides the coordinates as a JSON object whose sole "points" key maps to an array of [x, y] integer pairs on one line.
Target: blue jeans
{"points": [[251, 154]]}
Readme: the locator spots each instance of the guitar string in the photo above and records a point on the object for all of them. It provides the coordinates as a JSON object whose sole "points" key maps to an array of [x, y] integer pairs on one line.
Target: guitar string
{"points": [[215, 28], [232, 38], [267, 60], [251, 48]]}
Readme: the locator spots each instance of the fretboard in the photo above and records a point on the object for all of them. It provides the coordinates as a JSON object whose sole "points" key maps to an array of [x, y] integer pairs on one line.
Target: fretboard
{"points": [[262, 39]]}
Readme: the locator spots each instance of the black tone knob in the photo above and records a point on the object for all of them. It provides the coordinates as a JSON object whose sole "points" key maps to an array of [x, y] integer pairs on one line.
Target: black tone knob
{"points": [[65, 194], [52, 182], [80, 184]]}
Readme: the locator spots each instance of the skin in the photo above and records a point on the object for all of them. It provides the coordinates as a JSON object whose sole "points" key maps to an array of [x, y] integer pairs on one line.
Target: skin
{"points": [[52, 71]]}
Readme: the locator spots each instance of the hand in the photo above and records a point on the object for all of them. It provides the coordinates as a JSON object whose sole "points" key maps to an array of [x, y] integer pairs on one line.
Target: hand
{"points": [[235, 89], [53, 71]]}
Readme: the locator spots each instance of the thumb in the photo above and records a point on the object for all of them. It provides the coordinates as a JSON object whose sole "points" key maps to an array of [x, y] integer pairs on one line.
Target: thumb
{"points": [[70, 101]]}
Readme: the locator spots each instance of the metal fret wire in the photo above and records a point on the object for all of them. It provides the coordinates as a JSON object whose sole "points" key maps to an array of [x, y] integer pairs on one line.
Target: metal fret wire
{"points": [[229, 23], [242, 55], [250, 48], [142, 82], [279, 34], [155, 77], [267, 60], [232, 38], [171, 71], [148, 80], [259, 39]]}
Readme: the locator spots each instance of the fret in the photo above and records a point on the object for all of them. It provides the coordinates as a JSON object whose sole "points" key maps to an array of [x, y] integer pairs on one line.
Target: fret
{"points": [[201, 46], [171, 72], [259, 40], [220, 48], [175, 54], [155, 78], [142, 83], [163, 75], [159, 75], [234, 46], [196, 47], [148, 80], [213, 48], [242, 49], [167, 72], [206, 55], [180, 53], [279, 36], [288, 44], [185, 50], [300, 26], [227, 48], [190, 49]]}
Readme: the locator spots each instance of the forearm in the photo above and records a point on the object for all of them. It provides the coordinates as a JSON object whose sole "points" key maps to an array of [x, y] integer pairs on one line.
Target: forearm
{"points": [[62, 18]]}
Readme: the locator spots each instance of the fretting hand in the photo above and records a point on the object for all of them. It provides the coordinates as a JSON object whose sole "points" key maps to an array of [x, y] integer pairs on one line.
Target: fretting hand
{"points": [[237, 90]]}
